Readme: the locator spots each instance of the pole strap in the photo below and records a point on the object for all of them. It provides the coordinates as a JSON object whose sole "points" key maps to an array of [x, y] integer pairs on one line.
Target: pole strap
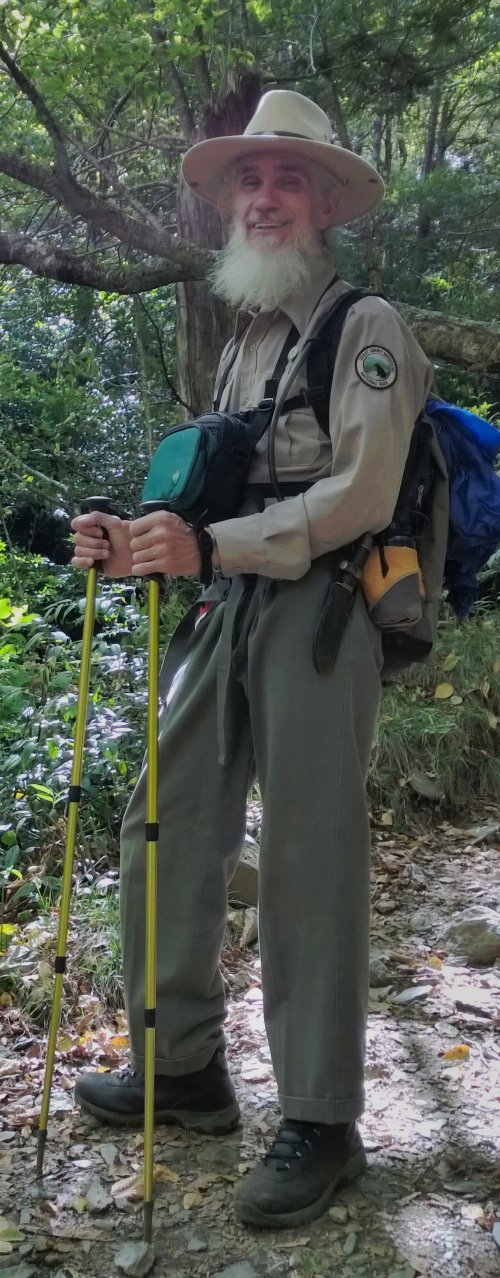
{"points": [[152, 831], [60, 964], [149, 1017], [74, 794]]}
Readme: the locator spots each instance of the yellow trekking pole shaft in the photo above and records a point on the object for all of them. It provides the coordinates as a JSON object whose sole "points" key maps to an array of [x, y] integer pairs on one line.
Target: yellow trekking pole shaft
{"points": [[74, 794], [152, 833]]}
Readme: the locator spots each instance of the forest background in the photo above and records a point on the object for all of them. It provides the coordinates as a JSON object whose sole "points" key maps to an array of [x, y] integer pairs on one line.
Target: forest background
{"points": [[109, 336]]}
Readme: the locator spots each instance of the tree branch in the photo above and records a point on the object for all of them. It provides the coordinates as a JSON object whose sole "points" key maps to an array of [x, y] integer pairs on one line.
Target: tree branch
{"points": [[202, 64], [95, 211], [43, 112], [470, 343], [69, 268]]}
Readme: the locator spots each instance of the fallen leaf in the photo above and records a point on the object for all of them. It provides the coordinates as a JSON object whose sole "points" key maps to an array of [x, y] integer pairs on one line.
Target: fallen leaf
{"points": [[443, 691], [79, 1204], [460, 1052], [434, 961], [293, 1242], [192, 1199], [450, 661], [486, 1220], [471, 1211], [10, 1233], [65, 1043], [5, 1248], [119, 1041], [425, 785], [492, 719], [9, 1067], [132, 1187]]}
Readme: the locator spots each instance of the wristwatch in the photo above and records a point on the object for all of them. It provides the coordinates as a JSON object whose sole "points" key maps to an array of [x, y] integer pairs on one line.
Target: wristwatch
{"points": [[206, 545]]}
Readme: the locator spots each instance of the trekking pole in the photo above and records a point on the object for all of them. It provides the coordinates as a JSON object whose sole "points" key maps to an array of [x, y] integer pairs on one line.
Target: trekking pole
{"points": [[152, 832], [101, 505]]}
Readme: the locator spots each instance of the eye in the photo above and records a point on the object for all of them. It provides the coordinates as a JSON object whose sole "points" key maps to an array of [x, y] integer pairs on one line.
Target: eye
{"points": [[292, 182]]}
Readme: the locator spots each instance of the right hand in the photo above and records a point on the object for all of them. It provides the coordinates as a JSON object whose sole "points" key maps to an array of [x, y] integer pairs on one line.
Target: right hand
{"points": [[104, 541]]}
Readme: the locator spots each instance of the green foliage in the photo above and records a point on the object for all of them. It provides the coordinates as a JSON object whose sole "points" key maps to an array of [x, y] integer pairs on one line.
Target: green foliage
{"points": [[73, 417], [453, 741], [40, 643]]}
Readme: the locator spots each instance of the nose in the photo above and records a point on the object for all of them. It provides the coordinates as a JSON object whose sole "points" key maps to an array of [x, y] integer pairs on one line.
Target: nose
{"points": [[266, 199]]}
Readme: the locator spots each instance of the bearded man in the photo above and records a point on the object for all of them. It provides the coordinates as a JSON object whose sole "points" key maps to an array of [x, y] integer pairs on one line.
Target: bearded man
{"points": [[245, 699]]}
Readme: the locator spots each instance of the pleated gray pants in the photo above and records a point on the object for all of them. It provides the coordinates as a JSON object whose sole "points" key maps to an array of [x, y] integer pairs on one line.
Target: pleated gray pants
{"points": [[307, 737]]}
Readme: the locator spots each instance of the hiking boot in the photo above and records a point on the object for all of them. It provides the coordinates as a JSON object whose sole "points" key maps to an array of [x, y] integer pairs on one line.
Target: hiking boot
{"points": [[201, 1102], [298, 1177]]}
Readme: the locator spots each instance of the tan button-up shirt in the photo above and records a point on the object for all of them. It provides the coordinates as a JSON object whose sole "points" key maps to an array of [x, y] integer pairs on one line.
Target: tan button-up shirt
{"points": [[357, 473]]}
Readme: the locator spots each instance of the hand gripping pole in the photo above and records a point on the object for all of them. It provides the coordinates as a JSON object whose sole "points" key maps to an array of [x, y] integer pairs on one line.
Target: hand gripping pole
{"points": [[98, 504], [152, 831]]}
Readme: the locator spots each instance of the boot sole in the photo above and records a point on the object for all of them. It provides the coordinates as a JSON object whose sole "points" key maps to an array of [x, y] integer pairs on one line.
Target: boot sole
{"points": [[211, 1124], [251, 1214]]}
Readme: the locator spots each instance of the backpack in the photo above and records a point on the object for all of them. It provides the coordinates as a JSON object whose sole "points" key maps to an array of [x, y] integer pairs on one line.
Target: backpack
{"points": [[448, 508]]}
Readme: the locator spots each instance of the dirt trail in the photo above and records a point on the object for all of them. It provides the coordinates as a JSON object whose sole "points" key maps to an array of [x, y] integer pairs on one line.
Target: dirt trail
{"points": [[430, 1202]]}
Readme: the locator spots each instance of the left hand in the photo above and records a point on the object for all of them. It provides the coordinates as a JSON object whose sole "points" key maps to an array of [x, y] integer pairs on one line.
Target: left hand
{"points": [[164, 543]]}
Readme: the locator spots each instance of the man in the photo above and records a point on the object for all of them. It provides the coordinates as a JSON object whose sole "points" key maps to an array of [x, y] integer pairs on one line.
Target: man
{"points": [[245, 698]]}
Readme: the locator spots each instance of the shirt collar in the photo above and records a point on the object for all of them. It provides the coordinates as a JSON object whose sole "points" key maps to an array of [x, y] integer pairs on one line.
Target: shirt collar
{"points": [[298, 307]]}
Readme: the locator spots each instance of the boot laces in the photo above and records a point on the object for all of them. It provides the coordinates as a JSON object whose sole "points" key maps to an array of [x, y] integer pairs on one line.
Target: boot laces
{"points": [[127, 1074], [291, 1143]]}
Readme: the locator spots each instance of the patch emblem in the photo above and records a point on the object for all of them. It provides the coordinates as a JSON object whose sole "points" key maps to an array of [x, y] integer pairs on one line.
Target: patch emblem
{"points": [[376, 367]]}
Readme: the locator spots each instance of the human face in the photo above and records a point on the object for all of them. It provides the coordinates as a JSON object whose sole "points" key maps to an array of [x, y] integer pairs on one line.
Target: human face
{"points": [[278, 202]]}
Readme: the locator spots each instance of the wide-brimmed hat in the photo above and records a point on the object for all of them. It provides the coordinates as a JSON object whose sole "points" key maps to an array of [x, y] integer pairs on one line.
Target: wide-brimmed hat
{"points": [[292, 124]]}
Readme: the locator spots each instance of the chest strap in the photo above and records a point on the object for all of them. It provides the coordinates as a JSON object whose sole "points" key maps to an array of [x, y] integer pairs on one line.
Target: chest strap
{"points": [[290, 488]]}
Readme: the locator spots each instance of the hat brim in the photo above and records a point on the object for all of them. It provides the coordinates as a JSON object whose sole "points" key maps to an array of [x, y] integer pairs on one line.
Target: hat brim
{"points": [[206, 168]]}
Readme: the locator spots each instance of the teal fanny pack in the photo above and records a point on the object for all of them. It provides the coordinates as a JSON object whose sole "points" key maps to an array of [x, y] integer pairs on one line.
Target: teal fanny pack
{"points": [[200, 469]]}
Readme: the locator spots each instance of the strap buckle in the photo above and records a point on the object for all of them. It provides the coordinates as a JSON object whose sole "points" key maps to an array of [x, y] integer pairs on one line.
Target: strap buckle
{"points": [[265, 405]]}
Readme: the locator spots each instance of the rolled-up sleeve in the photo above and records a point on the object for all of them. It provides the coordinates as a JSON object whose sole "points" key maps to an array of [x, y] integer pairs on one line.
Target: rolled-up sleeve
{"points": [[371, 421]]}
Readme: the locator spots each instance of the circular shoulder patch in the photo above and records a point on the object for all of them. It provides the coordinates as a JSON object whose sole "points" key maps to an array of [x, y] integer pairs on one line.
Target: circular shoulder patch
{"points": [[377, 367]]}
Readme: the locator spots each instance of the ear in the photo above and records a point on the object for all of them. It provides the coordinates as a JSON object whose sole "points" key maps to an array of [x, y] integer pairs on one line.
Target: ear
{"points": [[328, 210]]}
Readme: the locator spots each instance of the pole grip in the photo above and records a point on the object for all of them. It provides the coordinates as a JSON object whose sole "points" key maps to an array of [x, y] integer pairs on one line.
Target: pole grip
{"points": [[101, 505]]}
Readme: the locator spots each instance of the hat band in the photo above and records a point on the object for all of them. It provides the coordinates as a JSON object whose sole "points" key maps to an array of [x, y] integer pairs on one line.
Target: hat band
{"points": [[280, 133]]}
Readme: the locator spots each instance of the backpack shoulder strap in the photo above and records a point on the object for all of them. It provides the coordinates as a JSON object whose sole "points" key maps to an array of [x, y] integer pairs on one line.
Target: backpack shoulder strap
{"points": [[272, 384], [223, 381], [323, 353]]}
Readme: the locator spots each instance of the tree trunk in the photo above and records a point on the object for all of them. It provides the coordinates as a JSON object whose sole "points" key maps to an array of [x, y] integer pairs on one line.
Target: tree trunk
{"points": [[377, 142], [387, 168], [204, 324], [425, 221]]}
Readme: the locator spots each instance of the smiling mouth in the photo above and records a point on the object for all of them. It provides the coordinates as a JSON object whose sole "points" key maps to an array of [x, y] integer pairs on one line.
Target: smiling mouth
{"points": [[268, 226]]}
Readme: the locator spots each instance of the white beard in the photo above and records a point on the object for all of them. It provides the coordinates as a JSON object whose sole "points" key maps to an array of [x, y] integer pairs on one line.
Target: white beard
{"points": [[250, 276]]}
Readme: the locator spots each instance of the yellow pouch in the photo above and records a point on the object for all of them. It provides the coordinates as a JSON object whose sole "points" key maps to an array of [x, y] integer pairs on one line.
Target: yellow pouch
{"points": [[395, 600]]}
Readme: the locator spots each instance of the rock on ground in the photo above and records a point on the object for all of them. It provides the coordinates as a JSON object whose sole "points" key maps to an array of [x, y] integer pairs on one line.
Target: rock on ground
{"points": [[135, 1259], [475, 935], [241, 1269]]}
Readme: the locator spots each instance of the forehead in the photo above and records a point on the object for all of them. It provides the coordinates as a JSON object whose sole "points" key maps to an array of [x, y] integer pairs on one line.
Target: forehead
{"points": [[278, 165]]}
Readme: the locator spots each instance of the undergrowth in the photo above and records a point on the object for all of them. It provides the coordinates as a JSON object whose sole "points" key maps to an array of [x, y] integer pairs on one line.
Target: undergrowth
{"points": [[439, 728]]}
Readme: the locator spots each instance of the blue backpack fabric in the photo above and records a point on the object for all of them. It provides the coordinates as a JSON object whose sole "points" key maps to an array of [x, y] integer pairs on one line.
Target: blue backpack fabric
{"points": [[470, 447]]}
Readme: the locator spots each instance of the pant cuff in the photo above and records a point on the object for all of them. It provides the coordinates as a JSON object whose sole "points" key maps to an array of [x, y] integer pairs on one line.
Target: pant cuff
{"points": [[183, 1065], [322, 1111]]}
